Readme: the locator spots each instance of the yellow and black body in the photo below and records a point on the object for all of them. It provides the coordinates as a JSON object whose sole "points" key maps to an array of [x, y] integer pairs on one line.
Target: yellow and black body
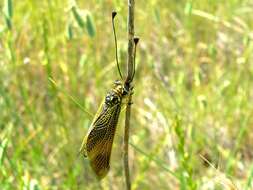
{"points": [[97, 145]]}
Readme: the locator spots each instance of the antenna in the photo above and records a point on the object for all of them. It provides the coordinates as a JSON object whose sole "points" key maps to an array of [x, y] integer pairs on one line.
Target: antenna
{"points": [[114, 13], [136, 40]]}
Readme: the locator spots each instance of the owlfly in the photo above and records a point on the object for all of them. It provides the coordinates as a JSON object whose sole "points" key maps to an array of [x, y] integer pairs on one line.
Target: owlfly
{"points": [[97, 144]]}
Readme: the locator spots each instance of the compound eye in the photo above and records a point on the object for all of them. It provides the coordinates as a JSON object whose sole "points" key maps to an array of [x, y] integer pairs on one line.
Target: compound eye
{"points": [[108, 98]]}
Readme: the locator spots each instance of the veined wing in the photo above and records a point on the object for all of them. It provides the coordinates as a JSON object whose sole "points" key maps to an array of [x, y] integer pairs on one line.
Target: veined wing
{"points": [[82, 149], [100, 139]]}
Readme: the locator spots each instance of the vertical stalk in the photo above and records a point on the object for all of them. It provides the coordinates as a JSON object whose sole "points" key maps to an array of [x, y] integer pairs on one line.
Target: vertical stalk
{"points": [[126, 142], [130, 70], [130, 25]]}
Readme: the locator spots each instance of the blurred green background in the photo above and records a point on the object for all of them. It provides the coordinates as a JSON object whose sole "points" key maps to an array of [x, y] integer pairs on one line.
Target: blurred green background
{"points": [[192, 117]]}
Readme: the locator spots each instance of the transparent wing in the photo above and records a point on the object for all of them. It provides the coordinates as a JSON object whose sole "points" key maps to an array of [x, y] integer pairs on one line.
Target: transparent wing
{"points": [[100, 139], [82, 149]]}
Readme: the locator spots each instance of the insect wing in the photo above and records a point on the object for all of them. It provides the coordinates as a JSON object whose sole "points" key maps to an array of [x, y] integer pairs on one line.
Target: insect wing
{"points": [[100, 139], [82, 149]]}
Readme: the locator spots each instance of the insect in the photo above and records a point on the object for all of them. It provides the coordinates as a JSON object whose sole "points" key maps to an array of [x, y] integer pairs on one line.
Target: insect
{"points": [[97, 144]]}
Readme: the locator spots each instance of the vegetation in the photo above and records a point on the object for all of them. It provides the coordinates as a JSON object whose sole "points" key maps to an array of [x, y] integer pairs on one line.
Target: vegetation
{"points": [[192, 113]]}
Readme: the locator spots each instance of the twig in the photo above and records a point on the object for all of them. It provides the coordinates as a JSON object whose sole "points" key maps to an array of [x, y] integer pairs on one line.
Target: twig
{"points": [[130, 71], [126, 141], [130, 24]]}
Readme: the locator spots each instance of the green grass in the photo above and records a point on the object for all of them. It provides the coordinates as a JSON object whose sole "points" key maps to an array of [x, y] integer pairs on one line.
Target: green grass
{"points": [[192, 117]]}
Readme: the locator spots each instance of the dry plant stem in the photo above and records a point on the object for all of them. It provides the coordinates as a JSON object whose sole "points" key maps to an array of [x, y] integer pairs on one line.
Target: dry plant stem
{"points": [[126, 142], [130, 25], [130, 69]]}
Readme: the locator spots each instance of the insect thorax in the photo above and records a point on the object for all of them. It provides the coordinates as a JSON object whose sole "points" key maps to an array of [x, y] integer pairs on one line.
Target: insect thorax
{"points": [[115, 95]]}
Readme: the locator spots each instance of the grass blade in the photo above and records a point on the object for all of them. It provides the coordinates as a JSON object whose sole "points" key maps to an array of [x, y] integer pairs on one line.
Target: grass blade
{"points": [[90, 26], [3, 146], [78, 18]]}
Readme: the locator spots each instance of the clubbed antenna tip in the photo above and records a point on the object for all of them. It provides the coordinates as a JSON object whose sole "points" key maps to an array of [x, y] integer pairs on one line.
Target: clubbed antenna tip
{"points": [[115, 40], [136, 40], [114, 13]]}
